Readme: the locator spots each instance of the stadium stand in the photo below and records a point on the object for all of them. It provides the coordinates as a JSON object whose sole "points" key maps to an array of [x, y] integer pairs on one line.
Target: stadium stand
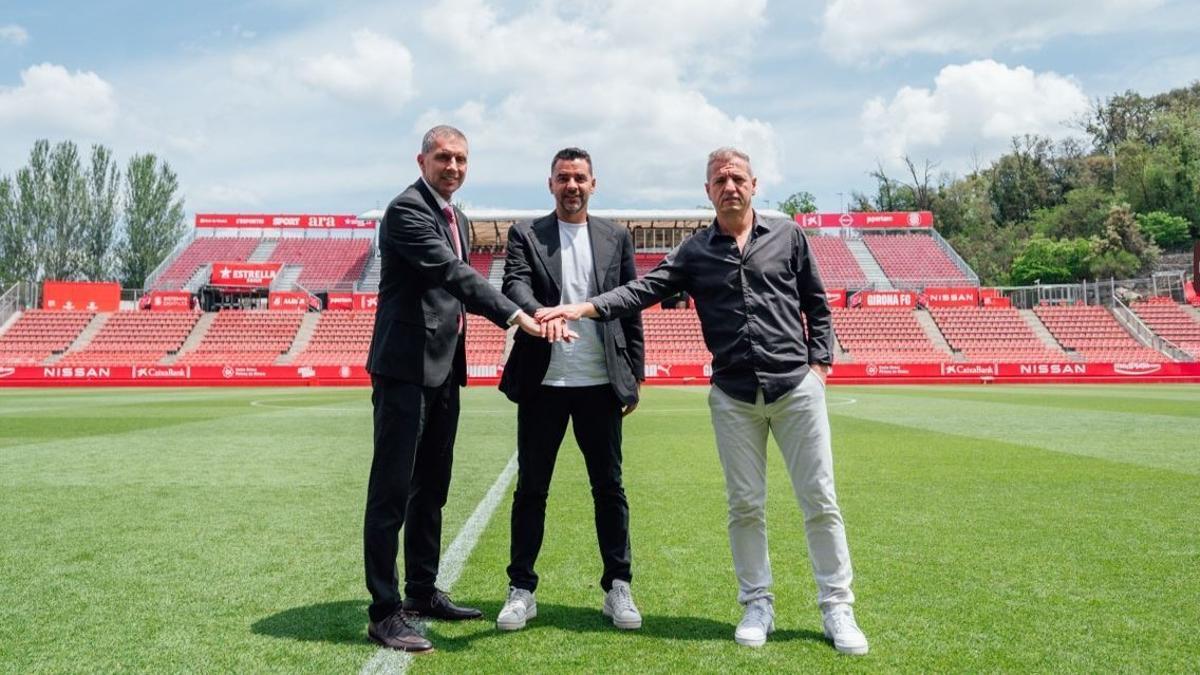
{"points": [[134, 337], [482, 261], [836, 263], [884, 336], [38, 334], [913, 258], [202, 251], [644, 262], [325, 263], [1171, 322], [1093, 333], [673, 336], [485, 342], [341, 338], [245, 337], [992, 334]]}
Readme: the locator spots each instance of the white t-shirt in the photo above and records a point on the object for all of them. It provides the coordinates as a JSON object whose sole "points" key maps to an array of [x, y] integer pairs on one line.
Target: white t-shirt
{"points": [[579, 363]]}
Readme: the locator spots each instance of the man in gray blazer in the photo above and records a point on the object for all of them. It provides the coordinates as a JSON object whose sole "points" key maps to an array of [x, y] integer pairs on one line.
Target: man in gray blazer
{"points": [[417, 362], [588, 373]]}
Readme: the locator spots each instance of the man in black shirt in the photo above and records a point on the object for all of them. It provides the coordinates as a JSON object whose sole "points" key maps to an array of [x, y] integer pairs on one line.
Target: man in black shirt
{"points": [[756, 285]]}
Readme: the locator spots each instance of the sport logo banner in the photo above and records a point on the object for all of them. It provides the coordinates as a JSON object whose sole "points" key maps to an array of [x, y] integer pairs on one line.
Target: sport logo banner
{"points": [[283, 221]]}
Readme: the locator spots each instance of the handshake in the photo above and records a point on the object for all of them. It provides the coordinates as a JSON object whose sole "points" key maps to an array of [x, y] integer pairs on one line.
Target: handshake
{"points": [[551, 322]]}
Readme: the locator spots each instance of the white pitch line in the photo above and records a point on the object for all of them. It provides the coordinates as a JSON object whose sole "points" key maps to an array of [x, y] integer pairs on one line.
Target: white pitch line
{"points": [[389, 661]]}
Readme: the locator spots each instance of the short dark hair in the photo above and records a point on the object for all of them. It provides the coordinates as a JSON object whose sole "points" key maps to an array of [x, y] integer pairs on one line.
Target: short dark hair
{"points": [[568, 154], [440, 131]]}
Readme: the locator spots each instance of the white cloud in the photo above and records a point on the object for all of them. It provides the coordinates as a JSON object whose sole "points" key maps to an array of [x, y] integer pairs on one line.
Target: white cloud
{"points": [[378, 69], [861, 31], [607, 79], [972, 108], [50, 98], [14, 34]]}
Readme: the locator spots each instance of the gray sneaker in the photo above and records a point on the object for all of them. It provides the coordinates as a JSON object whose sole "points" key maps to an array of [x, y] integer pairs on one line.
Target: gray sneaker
{"points": [[519, 608], [841, 627], [757, 623], [618, 605]]}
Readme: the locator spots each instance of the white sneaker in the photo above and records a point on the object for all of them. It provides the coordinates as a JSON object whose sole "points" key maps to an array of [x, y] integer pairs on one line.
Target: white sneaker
{"points": [[843, 630], [757, 623], [618, 605], [519, 608]]}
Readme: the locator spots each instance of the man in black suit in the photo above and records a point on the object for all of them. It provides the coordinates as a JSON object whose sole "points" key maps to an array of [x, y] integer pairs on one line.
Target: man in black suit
{"points": [[417, 363], [591, 379]]}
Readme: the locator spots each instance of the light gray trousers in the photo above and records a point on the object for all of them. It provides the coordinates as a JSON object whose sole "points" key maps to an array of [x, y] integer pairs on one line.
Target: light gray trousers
{"points": [[799, 422]]}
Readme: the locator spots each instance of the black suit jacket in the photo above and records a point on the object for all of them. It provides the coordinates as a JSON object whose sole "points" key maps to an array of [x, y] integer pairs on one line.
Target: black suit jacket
{"points": [[423, 288], [533, 279]]}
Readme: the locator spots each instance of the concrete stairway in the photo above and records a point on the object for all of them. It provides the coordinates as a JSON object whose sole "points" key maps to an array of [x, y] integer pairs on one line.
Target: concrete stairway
{"points": [[868, 264], [199, 278], [286, 281], [193, 338], [85, 337], [262, 252], [369, 283], [935, 334], [303, 337], [496, 273], [1043, 333]]}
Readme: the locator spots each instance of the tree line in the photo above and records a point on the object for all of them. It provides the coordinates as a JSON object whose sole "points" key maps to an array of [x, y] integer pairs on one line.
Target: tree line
{"points": [[67, 216], [1059, 212]]}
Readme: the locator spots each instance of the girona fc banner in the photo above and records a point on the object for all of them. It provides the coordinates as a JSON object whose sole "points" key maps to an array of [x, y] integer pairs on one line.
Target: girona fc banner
{"points": [[244, 274], [965, 296], [883, 299], [285, 221], [867, 220], [81, 296]]}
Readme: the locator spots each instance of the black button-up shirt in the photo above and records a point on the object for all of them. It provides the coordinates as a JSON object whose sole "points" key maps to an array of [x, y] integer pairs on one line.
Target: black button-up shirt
{"points": [[750, 302]]}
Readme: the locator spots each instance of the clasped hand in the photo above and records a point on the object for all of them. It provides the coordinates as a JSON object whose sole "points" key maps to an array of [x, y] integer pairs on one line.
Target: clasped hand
{"points": [[542, 324]]}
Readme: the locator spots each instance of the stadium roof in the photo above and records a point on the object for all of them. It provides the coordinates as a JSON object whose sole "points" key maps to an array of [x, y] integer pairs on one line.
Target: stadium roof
{"points": [[649, 215]]}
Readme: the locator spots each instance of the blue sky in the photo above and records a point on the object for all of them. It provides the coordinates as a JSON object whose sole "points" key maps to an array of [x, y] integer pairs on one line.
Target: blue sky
{"points": [[298, 106]]}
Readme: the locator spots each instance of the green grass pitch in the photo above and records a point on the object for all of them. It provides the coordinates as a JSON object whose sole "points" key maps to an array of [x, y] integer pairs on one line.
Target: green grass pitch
{"points": [[1016, 529]]}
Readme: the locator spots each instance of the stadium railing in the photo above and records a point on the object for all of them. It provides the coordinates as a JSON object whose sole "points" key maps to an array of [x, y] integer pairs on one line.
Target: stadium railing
{"points": [[1145, 335]]}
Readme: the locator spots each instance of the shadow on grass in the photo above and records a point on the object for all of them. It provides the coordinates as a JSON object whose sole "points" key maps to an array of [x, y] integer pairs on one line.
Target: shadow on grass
{"points": [[345, 623], [590, 620], [342, 622]]}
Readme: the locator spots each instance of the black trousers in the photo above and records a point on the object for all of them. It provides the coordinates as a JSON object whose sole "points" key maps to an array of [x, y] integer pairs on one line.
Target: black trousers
{"points": [[595, 413], [415, 428]]}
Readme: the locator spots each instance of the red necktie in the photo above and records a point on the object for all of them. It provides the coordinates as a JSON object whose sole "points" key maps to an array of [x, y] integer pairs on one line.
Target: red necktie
{"points": [[449, 213]]}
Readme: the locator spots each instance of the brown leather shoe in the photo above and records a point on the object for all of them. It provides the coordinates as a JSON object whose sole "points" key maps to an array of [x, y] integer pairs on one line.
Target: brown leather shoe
{"points": [[395, 632], [438, 606]]}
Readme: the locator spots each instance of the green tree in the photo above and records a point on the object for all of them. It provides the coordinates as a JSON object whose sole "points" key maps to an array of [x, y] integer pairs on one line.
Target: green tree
{"points": [[1082, 214], [16, 260], [1168, 232], [153, 217], [102, 209], [963, 205], [1021, 181], [67, 195], [1121, 250], [799, 202], [1051, 261]]}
